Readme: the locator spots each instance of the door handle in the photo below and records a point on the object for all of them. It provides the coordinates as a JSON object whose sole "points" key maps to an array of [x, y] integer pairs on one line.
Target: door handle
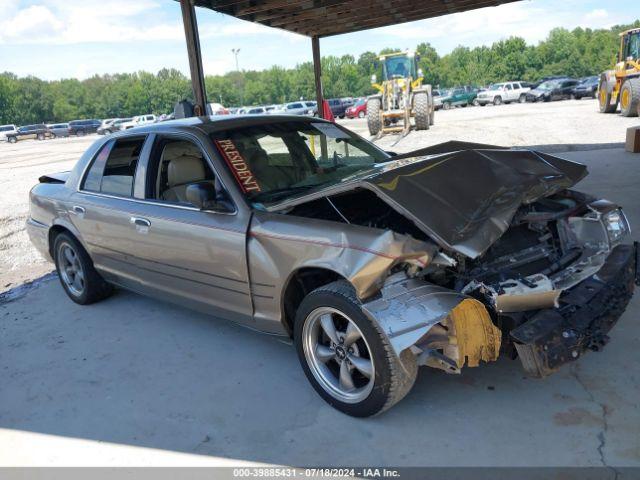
{"points": [[140, 222], [78, 210]]}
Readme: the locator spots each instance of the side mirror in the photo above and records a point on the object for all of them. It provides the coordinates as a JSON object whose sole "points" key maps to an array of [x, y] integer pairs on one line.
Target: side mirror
{"points": [[203, 196]]}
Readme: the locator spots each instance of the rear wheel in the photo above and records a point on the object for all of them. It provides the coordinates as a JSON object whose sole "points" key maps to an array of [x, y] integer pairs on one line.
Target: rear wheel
{"points": [[12, 139], [361, 114], [630, 97], [40, 136], [446, 105], [374, 122], [604, 98], [497, 100], [348, 361], [421, 111], [78, 277], [81, 133], [475, 102]]}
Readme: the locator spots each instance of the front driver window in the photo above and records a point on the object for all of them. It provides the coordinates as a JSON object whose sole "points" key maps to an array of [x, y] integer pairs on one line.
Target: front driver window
{"points": [[176, 164]]}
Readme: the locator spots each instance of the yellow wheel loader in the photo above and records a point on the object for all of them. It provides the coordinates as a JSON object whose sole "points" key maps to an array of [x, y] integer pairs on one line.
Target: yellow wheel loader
{"points": [[622, 84], [401, 96]]}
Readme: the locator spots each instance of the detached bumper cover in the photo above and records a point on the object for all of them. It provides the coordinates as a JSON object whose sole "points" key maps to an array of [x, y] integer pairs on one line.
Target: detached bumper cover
{"points": [[587, 312]]}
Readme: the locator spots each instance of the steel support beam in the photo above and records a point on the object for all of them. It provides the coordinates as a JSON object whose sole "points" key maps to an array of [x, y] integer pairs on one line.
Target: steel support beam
{"points": [[317, 73], [195, 57]]}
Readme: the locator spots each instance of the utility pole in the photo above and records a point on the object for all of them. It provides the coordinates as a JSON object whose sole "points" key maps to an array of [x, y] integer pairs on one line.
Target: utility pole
{"points": [[235, 52]]}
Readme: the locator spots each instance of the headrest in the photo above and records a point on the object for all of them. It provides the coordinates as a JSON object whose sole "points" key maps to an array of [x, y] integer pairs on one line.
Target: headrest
{"points": [[180, 149], [185, 170]]}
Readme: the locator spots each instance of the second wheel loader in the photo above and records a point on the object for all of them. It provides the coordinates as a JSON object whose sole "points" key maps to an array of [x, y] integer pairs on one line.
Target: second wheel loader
{"points": [[622, 84]]}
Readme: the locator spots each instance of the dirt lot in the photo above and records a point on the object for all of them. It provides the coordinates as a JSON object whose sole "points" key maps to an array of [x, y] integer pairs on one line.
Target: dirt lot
{"points": [[549, 125]]}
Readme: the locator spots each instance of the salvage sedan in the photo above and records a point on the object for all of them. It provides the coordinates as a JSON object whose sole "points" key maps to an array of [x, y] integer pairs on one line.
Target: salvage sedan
{"points": [[374, 264]]}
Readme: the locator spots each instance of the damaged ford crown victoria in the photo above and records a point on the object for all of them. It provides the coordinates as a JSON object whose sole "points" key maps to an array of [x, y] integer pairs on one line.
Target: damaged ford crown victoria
{"points": [[375, 264]]}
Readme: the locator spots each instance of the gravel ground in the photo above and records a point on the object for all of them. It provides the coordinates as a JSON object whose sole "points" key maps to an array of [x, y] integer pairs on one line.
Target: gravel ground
{"points": [[555, 127]]}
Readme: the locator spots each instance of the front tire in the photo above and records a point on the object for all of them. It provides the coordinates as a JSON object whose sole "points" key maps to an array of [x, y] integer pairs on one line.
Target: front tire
{"points": [[630, 97], [347, 360], [12, 139], [497, 100], [79, 279], [421, 111], [374, 122]]}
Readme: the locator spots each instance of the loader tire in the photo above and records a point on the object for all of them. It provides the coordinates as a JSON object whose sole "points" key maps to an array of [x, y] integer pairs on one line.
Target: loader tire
{"points": [[630, 97], [373, 116], [604, 98], [421, 111]]}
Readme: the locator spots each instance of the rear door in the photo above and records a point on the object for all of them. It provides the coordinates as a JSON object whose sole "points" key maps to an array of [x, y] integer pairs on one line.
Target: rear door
{"points": [[103, 206]]}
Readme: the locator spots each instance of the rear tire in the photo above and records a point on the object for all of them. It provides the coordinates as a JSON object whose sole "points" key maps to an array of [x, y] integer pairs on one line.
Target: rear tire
{"points": [[40, 136], [335, 308], [79, 279], [374, 122], [421, 111], [361, 114], [604, 98], [630, 97], [12, 139]]}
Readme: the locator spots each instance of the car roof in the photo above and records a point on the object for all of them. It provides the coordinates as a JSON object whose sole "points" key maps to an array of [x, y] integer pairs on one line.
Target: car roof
{"points": [[217, 123]]}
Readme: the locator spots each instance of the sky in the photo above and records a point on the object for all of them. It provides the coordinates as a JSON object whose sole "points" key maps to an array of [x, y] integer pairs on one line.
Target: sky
{"points": [[54, 39]]}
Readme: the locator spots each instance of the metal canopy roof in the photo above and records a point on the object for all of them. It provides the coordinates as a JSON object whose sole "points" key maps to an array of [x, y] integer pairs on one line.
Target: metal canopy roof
{"points": [[322, 18]]}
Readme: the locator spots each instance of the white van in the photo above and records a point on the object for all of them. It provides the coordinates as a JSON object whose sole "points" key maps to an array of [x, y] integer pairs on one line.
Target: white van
{"points": [[6, 129]]}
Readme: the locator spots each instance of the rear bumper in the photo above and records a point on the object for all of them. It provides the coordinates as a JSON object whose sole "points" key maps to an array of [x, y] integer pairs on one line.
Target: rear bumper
{"points": [[587, 312], [39, 236]]}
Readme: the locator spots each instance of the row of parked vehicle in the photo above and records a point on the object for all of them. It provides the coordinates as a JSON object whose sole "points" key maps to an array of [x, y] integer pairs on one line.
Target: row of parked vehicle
{"points": [[42, 131], [340, 107], [548, 89]]}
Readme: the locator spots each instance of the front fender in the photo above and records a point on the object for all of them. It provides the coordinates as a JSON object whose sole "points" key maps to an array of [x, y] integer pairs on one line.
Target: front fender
{"points": [[443, 327]]}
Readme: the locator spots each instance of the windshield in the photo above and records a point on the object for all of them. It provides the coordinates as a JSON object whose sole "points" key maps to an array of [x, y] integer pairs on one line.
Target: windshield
{"points": [[547, 85], [398, 67], [496, 86], [273, 162]]}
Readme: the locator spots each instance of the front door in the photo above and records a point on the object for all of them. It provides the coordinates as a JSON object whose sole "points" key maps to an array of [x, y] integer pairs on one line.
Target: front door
{"points": [[194, 256]]}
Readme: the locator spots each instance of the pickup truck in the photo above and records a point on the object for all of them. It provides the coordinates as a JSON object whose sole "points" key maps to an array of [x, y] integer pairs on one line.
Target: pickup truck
{"points": [[38, 131], [460, 96]]}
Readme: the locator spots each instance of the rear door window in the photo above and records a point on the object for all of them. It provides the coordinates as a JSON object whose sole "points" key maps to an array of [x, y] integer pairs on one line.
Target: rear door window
{"points": [[113, 169]]}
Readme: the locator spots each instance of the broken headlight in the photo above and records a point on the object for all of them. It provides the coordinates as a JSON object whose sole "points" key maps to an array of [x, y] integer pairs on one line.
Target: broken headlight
{"points": [[617, 225]]}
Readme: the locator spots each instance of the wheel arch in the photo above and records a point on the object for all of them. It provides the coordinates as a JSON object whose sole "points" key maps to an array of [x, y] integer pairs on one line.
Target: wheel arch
{"points": [[300, 282], [63, 227]]}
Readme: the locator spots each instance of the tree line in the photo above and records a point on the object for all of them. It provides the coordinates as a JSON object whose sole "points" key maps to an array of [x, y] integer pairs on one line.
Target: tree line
{"points": [[576, 53]]}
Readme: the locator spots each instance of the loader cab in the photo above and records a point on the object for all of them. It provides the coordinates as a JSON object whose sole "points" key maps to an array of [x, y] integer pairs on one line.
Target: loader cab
{"points": [[630, 48], [398, 66]]}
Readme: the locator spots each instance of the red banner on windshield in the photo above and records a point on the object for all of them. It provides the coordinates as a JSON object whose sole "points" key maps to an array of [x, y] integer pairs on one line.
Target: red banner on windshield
{"points": [[238, 166]]}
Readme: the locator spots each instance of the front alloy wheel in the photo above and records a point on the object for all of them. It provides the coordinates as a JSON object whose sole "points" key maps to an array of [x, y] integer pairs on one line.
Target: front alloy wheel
{"points": [[345, 356], [338, 355]]}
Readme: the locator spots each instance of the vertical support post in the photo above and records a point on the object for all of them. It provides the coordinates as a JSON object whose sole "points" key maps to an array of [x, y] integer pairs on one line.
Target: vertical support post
{"points": [[317, 72], [195, 56]]}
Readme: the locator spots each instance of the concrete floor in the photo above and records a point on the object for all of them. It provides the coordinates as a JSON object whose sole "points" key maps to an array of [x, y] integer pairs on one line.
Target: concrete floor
{"points": [[92, 385]]}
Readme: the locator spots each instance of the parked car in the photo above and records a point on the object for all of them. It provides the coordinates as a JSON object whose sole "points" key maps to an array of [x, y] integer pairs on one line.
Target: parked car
{"points": [[359, 109], [218, 109], [83, 127], [505, 92], [7, 130], [374, 264], [294, 108], [312, 106], [256, 111], [104, 129], [38, 131], [561, 89], [337, 106], [437, 97], [459, 97], [546, 79], [58, 129], [138, 121], [588, 87], [116, 125]]}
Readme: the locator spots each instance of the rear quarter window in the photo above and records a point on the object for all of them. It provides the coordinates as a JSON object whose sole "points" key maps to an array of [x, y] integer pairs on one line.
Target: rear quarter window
{"points": [[113, 169]]}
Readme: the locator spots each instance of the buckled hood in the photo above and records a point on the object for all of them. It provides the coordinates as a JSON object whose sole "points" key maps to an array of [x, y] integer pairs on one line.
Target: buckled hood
{"points": [[464, 200]]}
